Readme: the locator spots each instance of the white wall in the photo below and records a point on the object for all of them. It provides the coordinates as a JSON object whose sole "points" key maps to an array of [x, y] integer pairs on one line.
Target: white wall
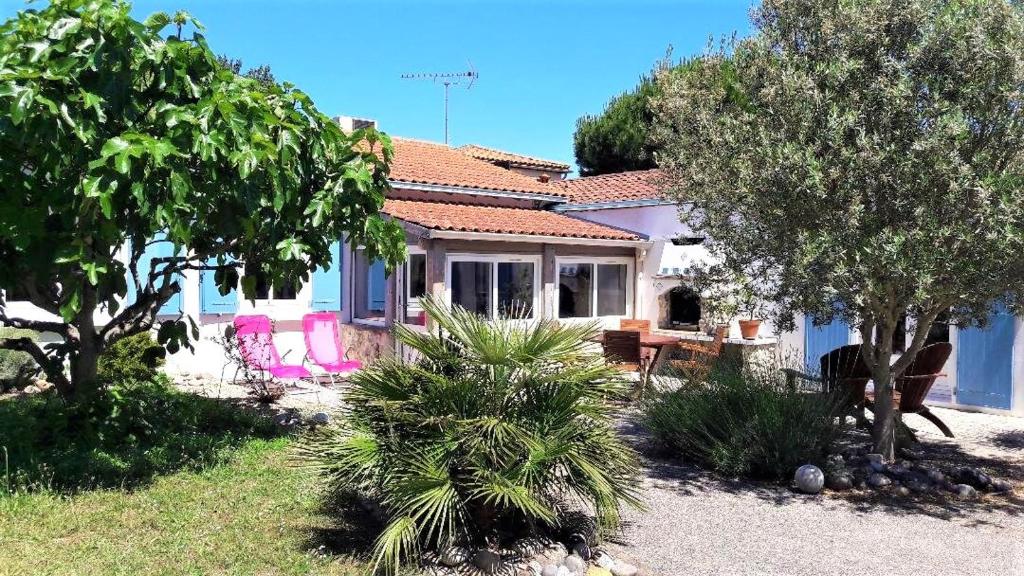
{"points": [[661, 224]]}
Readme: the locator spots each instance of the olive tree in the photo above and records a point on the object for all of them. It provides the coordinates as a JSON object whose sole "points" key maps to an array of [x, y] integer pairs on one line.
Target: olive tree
{"points": [[115, 134], [869, 156]]}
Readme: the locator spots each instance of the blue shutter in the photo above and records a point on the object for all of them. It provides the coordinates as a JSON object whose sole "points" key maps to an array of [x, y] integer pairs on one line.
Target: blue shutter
{"points": [[820, 340], [378, 285], [984, 368], [327, 284], [211, 301], [159, 250]]}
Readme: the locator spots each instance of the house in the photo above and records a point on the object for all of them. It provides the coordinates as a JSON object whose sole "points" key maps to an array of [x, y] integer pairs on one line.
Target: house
{"points": [[509, 235], [481, 232], [985, 372], [635, 201]]}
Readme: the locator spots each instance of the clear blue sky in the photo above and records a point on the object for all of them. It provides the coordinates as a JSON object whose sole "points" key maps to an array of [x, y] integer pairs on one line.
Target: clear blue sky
{"points": [[541, 64]]}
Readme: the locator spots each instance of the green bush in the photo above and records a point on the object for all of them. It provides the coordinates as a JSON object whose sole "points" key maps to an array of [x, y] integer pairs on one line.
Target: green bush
{"points": [[744, 422], [16, 368], [135, 358], [488, 436], [120, 438]]}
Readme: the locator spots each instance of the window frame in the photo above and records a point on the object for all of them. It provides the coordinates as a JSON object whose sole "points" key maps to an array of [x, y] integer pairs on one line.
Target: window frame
{"points": [[495, 259], [596, 262], [409, 304], [354, 291], [287, 308]]}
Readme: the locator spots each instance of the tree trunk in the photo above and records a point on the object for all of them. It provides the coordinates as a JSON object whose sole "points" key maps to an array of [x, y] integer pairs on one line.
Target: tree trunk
{"points": [[85, 359], [884, 432]]}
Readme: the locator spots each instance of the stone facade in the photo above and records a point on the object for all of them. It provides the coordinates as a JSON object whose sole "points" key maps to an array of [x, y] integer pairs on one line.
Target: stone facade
{"points": [[366, 343]]}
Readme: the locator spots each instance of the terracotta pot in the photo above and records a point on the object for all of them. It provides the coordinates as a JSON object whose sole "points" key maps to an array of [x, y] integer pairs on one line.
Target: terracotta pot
{"points": [[749, 329]]}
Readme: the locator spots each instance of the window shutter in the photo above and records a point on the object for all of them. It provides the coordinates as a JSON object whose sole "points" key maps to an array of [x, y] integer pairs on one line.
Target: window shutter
{"points": [[378, 285], [327, 283], [211, 300], [159, 250]]}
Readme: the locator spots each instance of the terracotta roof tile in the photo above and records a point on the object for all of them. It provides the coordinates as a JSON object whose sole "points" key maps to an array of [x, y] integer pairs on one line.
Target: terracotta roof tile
{"points": [[517, 160], [622, 186], [421, 162], [498, 220]]}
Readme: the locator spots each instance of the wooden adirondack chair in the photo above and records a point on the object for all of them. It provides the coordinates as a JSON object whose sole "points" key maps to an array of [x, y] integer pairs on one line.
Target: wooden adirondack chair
{"points": [[701, 356], [843, 375], [912, 387]]}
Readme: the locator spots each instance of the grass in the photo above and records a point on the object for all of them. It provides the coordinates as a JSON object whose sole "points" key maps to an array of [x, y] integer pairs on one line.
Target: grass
{"points": [[253, 514], [131, 434], [149, 480]]}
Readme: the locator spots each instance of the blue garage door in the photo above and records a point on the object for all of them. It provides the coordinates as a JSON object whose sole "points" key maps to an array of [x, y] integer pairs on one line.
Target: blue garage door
{"points": [[820, 340], [984, 374]]}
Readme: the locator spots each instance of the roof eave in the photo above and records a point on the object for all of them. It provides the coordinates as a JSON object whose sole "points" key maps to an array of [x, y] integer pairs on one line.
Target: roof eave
{"points": [[503, 237], [406, 185], [571, 207]]}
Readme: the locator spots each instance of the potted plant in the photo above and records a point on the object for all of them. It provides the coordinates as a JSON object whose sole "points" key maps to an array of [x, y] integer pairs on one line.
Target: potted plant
{"points": [[728, 293], [750, 304]]}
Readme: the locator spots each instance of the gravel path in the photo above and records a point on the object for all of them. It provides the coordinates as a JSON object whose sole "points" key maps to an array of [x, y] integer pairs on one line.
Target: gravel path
{"points": [[698, 524]]}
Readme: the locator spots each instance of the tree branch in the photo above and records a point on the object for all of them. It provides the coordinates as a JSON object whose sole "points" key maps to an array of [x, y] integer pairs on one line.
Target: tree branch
{"points": [[37, 325], [53, 367]]}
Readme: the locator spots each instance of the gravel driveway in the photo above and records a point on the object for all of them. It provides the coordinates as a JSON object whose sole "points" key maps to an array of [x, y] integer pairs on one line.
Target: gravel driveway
{"points": [[698, 524]]}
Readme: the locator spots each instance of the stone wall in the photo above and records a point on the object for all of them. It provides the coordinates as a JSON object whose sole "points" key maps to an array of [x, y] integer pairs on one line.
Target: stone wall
{"points": [[366, 343]]}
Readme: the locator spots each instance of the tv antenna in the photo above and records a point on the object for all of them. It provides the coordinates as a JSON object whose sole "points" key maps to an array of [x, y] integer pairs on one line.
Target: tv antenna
{"points": [[448, 79]]}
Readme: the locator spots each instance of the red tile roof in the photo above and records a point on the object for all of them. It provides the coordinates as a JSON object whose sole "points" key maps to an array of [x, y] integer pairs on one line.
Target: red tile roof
{"points": [[619, 187], [499, 220], [422, 162], [517, 160]]}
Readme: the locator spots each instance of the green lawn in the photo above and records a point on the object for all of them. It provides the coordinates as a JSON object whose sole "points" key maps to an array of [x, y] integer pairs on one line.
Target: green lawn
{"points": [[251, 515]]}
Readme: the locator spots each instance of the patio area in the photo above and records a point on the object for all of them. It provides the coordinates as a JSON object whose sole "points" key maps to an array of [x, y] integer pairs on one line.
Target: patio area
{"points": [[701, 524]]}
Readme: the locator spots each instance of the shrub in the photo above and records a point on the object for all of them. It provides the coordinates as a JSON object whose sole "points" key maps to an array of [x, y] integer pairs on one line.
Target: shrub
{"points": [[491, 434], [135, 358], [121, 438], [260, 384], [17, 368], [744, 422]]}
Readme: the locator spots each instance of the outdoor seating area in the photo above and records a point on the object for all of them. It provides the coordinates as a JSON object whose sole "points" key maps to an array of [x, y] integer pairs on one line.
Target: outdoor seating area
{"points": [[325, 356], [844, 377]]}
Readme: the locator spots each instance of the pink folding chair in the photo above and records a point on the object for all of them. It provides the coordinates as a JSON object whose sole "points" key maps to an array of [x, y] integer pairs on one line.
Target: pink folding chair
{"points": [[256, 343], [323, 345]]}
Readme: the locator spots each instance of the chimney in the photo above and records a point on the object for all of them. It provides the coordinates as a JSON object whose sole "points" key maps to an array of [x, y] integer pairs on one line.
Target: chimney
{"points": [[351, 124], [544, 178]]}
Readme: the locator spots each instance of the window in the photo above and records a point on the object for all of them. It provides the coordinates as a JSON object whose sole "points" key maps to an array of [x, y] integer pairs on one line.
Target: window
{"points": [[265, 292], [416, 278], [611, 289], [415, 288], [370, 287], [471, 286], [515, 290], [495, 286], [939, 332], [899, 335], [575, 288], [593, 288]]}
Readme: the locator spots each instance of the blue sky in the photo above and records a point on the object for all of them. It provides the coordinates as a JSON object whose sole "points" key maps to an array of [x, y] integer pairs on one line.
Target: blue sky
{"points": [[541, 64]]}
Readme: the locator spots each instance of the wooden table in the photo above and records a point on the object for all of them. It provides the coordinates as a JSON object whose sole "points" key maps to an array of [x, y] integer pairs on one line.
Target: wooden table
{"points": [[657, 342]]}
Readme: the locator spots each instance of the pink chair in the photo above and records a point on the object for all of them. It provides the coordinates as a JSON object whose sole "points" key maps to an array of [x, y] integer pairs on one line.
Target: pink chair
{"points": [[323, 344], [256, 343]]}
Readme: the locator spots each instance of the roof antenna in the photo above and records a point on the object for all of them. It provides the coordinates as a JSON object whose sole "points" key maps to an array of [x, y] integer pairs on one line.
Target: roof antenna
{"points": [[449, 79]]}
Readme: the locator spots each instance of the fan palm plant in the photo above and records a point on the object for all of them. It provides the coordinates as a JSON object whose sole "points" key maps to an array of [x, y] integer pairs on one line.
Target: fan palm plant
{"points": [[496, 431]]}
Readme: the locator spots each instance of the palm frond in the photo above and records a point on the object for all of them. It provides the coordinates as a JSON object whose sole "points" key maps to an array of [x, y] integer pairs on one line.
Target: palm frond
{"points": [[398, 541], [496, 428]]}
